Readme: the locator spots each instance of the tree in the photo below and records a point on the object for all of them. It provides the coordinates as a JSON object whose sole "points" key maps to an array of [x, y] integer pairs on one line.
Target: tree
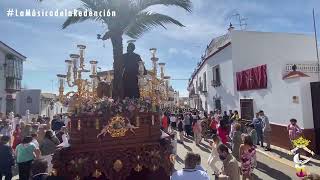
{"points": [[132, 19]]}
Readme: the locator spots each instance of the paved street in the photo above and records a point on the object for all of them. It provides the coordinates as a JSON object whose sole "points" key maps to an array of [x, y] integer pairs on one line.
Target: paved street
{"points": [[267, 168]]}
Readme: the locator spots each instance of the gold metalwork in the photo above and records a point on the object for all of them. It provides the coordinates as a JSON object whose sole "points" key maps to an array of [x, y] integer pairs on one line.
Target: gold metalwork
{"points": [[117, 165], [79, 124], [97, 174], [151, 87], [138, 168], [116, 127], [137, 121], [74, 78], [97, 124]]}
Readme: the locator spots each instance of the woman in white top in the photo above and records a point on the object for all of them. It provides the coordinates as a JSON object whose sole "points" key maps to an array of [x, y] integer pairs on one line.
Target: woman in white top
{"points": [[214, 156]]}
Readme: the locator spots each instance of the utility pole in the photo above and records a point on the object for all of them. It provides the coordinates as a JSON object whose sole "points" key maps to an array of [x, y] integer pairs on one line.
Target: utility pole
{"points": [[316, 43]]}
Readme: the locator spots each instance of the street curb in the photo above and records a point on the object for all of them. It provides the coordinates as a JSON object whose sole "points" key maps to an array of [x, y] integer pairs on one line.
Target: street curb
{"points": [[275, 158]]}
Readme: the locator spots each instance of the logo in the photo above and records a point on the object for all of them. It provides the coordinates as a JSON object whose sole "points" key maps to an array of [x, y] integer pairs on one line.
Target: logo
{"points": [[301, 144]]}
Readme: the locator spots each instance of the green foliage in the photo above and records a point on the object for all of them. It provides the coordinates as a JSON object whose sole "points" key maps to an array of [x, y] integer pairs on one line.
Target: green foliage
{"points": [[132, 17]]}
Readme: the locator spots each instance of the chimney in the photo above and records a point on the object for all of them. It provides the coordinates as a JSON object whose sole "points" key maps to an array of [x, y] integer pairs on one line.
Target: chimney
{"points": [[230, 27]]}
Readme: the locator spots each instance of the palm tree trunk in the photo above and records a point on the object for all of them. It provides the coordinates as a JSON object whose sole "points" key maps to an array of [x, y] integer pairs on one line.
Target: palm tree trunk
{"points": [[117, 89]]}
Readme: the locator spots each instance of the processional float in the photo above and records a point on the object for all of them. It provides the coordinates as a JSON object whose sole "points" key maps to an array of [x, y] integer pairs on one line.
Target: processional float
{"points": [[113, 139]]}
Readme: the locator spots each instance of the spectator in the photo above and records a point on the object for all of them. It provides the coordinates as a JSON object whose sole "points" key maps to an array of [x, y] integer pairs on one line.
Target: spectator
{"points": [[294, 130], [190, 172], [6, 129], [25, 130], [253, 133], [187, 124], [16, 137], [248, 157], [213, 125], [173, 121], [197, 130], [230, 169], [25, 155], [223, 133], [34, 140], [6, 158], [236, 141], [230, 114], [235, 116], [39, 171], [164, 122], [198, 166], [258, 126], [214, 156], [266, 129], [49, 144], [180, 128], [225, 117]]}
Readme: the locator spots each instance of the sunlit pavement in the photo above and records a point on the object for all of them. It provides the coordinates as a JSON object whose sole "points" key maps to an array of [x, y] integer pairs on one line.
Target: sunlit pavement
{"points": [[267, 168]]}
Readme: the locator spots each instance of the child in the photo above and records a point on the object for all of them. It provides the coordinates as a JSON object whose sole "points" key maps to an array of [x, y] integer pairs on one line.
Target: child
{"points": [[180, 128], [213, 126], [293, 130], [253, 133], [214, 156], [174, 142]]}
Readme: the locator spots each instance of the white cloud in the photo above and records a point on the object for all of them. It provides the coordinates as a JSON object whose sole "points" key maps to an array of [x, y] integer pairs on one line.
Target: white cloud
{"points": [[173, 51]]}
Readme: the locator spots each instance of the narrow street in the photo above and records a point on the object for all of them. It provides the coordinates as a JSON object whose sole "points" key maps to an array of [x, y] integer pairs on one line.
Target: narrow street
{"points": [[267, 168]]}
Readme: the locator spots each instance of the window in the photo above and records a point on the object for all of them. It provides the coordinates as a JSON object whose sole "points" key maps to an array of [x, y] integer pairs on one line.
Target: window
{"points": [[13, 72], [204, 81], [200, 84], [216, 80], [29, 100]]}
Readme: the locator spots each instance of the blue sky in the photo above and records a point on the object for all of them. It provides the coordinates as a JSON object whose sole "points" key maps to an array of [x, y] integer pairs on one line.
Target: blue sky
{"points": [[46, 45]]}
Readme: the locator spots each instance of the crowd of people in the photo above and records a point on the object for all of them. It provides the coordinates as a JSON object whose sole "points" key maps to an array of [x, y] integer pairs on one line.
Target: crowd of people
{"points": [[233, 141], [28, 145]]}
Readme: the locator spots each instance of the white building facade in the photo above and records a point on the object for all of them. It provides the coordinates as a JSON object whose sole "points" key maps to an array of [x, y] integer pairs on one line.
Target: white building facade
{"points": [[11, 73], [43, 104], [215, 83]]}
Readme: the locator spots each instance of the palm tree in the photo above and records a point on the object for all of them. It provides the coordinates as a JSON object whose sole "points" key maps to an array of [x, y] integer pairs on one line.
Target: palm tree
{"points": [[132, 19]]}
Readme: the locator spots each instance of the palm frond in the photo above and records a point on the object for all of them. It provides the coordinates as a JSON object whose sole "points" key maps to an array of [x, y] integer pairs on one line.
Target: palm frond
{"points": [[143, 4], [77, 19], [145, 21]]}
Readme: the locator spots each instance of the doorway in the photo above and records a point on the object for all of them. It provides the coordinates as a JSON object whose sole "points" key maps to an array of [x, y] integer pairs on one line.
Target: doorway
{"points": [[217, 103], [315, 96], [246, 109]]}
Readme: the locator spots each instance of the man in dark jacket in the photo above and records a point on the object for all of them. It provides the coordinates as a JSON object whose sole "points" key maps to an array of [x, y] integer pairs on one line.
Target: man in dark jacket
{"points": [[6, 158]]}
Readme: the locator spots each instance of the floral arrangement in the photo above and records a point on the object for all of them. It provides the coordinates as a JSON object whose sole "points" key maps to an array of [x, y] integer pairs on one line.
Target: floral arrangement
{"points": [[108, 105]]}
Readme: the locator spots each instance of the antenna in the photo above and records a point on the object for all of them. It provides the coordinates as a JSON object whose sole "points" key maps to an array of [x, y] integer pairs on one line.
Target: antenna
{"points": [[242, 21]]}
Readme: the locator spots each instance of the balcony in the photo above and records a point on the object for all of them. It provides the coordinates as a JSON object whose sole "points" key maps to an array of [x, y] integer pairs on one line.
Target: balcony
{"points": [[215, 83], [13, 85], [305, 68]]}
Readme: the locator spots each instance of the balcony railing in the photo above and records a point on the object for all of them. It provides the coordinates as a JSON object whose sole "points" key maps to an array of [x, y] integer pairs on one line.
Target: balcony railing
{"points": [[306, 68], [215, 83]]}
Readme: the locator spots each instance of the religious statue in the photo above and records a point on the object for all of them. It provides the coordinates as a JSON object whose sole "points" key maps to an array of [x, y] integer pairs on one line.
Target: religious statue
{"points": [[104, 88], [130, 73]]}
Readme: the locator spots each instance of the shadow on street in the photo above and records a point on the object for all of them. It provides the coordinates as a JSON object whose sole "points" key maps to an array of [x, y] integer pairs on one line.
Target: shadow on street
{"points": [[276, 174]]}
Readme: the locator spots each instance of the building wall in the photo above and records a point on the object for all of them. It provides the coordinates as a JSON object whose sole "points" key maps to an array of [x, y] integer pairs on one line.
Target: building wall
{"points": [[226, 91], [2, 83], [22, 103], [251, 49]]}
